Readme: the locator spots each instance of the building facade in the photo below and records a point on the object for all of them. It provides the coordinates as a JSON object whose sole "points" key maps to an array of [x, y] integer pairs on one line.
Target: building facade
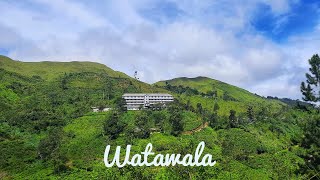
{"points": [[136, 101]]}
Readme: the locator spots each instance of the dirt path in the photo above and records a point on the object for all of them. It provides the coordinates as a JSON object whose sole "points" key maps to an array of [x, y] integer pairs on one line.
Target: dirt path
{"points": [[197, 129]]}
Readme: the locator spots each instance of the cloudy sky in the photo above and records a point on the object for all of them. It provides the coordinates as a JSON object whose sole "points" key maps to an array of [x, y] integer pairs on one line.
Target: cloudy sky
{"points": [[260, 45]]}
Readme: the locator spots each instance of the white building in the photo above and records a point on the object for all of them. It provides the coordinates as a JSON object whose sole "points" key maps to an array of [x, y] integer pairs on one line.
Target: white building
{"points": [[137, 101]]}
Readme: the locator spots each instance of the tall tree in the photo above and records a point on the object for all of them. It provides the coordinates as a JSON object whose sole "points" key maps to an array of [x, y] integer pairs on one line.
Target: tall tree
{"points": [[199, 108], [113, 126], [311, 91], [108, 89], [121, 104], [188, 105], [213, 120], [250, 114], [216, 107], [311, 142], [143, 124], [176, 119], [177, 123], [233, 120], [50, 144]]}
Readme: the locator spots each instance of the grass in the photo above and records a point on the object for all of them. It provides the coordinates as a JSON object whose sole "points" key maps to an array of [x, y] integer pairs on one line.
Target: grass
{"points": [[204, 84], [243, 98], [90, 74], [51, 70]]}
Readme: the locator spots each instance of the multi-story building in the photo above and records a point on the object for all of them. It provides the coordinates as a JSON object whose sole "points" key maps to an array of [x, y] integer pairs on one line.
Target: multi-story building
{"points": [[136, 101]]}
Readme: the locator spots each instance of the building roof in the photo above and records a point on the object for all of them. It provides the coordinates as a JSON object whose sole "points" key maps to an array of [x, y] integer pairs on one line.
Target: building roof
{"points": [[143, 94]]}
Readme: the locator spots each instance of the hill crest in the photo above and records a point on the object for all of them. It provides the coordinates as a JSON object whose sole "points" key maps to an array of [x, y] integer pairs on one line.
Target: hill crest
{"points": [[50, 70]]}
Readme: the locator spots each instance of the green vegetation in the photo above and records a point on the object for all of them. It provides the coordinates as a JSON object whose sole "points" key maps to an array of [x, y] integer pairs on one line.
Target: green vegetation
{"points": [[311, 92], [208, 92], [47, 129]]}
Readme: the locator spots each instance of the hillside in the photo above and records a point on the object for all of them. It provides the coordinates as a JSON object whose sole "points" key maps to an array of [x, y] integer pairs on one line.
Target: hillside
{"points": [[205, 84], [80, 74], [48, 130], [211, 91], [50, 70]]}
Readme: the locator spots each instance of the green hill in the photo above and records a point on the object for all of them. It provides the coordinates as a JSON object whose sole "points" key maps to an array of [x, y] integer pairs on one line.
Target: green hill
{"points": [[205, 84], [226, 95], [50, 70], [48, 130], [80, 74], [52, 92]]}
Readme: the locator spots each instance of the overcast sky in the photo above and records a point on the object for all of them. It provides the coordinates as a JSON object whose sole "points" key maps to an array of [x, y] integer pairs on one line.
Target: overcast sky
{"points": [[260, 45]]}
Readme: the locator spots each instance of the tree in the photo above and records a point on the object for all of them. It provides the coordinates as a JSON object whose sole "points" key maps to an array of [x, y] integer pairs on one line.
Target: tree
{"points": [[215, 94], [250, 114], [49, 149], [176, 119], [64, 83], [227, 97], [158, 117], [205, 116], [233, 121], [263, 113], [199, 108], [177, 123], [188, 105], [108, 89], [113, 126], [121, 104], [49, 145], [213, 120], [143, 124], [311, 91], [215, 91], [216, 107], [168, 86], [311, 142]]}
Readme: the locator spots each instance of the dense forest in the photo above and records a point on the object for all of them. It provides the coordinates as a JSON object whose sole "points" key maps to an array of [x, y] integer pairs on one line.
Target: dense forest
{"points": [[48, 130]]}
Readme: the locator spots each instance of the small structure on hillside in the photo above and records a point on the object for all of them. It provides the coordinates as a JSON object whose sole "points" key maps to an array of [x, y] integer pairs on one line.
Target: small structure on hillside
{"points": [[137, 101], [97, 109]]}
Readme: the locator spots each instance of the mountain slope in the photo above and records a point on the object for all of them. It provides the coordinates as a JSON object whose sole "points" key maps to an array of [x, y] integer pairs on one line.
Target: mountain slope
{"points": [[205, 84], [47, 129], [76, 74], [47, 91], [228, 96], [50, 70]]}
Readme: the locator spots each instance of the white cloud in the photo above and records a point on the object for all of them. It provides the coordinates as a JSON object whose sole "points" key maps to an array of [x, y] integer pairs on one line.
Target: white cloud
{"points": [[74, 11], [279, 86]]}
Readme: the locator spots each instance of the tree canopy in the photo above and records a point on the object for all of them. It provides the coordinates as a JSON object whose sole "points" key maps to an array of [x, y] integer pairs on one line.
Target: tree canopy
{"points": [[311, 88]]}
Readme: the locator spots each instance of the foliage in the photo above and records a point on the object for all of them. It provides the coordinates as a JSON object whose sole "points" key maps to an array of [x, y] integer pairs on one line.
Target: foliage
{"points": [[216, 107], [311, 92], [311, 142], [47, 129], [250, 114], [113, 126], [233, 119], [143, 124], [176, 120]]}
